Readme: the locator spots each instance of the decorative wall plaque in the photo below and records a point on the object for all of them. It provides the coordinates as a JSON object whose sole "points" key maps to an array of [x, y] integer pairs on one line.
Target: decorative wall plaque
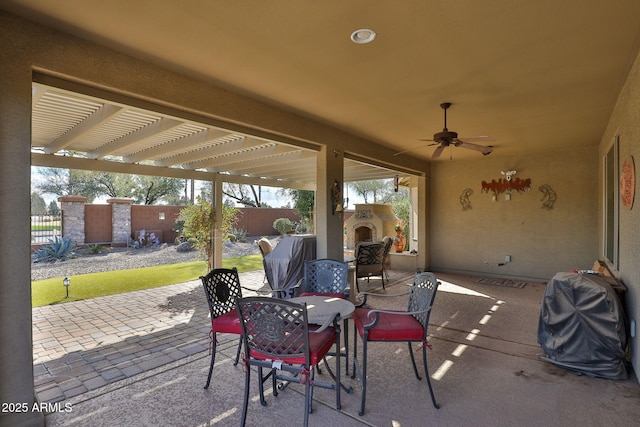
{"points": [[628, 182]]}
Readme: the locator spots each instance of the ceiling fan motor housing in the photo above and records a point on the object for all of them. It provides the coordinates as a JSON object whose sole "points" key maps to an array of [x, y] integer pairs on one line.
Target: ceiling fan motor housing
{"points": [[445, 137]]}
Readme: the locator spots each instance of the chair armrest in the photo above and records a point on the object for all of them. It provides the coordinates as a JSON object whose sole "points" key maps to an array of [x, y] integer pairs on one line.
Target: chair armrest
{"points": [[364, 296], [376, 315]]}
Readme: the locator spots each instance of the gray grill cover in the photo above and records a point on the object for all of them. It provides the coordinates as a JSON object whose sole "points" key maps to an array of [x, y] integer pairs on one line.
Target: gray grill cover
{"points": [[284, 265], [582, 326]]}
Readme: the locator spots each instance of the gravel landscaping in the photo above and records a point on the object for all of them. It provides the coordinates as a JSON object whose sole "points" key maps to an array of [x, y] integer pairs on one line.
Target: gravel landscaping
{"points": [[127, 258]]}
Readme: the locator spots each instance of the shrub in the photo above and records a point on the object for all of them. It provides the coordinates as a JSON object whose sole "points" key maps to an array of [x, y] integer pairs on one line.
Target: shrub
{"points": [[95, 249], [240, 235], [199, 222], [283, 225], [58, 249]]}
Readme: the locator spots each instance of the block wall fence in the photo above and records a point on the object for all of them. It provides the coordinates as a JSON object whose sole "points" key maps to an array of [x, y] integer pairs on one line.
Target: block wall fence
{"points": [[114, 222]]}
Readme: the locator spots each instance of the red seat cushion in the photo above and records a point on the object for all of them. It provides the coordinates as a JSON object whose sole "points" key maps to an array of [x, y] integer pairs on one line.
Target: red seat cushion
{"points": [[390, 327], [228, 323], [319, 344]]}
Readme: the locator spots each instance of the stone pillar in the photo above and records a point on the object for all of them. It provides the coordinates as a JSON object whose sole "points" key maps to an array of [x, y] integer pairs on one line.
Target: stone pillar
{"points": [[73, 218], [120, 220]]}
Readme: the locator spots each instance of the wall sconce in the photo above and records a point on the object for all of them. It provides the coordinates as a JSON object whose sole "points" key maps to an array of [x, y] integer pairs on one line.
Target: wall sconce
{"points": [[336, 197], [66, 282]]}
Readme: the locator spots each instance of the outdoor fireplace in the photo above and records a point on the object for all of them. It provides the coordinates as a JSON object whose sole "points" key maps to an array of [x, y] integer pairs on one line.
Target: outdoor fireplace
{"points": [[370, 223]]}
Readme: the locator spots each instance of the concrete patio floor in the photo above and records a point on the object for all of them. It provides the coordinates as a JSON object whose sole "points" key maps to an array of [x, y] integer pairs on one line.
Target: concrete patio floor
{"points": [[140, 360]]}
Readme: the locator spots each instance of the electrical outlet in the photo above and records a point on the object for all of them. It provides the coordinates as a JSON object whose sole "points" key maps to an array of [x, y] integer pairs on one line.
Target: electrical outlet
{"points": [[507, 258]]}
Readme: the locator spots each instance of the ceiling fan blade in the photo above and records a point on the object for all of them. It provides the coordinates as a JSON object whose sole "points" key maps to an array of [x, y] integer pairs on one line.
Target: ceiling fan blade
{"points": [[468, 145], [437, 152], [483, 138], [411, 149], [418, 147]]}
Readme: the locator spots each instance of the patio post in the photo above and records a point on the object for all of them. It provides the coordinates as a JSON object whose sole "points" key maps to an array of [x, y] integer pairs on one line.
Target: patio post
{"points": [[329, 193], [16, 351], [218, 239]]}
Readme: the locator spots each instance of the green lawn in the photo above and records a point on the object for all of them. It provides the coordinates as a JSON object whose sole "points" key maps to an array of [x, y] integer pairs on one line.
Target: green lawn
{"points": [[85, 286]]}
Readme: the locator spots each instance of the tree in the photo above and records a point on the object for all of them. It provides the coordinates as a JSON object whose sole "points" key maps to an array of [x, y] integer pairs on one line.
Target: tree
{"points": [[303, 201], [245, 194], [114, 184], [54, 209], [68, 182], [38, 205], [377, 190], [151, 189], [199, 222], [402, 209]]}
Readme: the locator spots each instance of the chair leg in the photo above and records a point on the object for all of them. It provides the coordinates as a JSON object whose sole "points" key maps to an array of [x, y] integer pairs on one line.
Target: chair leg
{"points": [[426, 373], [355, 352], [245, 403], [261, 386], [212, 348], [238, 352], [346, 346], [364, 374], [413, 361], [338, 366], [307, 406]]}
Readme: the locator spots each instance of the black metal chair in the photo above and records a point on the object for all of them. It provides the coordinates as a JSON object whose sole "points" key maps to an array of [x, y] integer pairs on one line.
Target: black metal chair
{"points": [[388, 242], [328, 277], [277, 337], [374, 325], [369, 261], [222, 288]]}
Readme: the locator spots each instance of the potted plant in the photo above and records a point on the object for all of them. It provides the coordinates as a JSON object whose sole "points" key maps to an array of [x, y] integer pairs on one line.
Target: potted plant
{"points": [[399, 241]]}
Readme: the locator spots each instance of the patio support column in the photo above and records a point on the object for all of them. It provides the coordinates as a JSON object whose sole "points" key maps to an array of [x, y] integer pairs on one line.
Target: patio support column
{"points": [[329, 223], [218, 238], [16, 348], [420, 214]]}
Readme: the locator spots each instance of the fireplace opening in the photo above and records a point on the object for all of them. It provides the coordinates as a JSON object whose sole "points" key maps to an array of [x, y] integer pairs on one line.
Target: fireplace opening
{"points": [[363, 234]]}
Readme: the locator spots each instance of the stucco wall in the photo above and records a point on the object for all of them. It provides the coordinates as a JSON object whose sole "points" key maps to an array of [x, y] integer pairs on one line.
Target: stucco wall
{"points": [[624, 122], [540, 241]]}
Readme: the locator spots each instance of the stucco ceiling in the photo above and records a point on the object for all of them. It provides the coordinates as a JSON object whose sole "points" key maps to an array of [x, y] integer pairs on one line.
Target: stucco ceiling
{"points": [[534, 76]]}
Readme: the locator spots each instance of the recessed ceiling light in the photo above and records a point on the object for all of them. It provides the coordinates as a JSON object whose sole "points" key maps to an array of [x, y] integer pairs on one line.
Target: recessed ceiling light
{"points": [[363, 35]]}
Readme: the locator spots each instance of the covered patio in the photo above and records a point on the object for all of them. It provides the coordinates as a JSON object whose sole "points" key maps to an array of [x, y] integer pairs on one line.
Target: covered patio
{"points": [[483, 364], [554, 85]]}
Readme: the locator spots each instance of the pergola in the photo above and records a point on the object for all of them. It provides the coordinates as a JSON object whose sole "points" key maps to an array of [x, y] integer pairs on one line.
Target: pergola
{"points": [[79, 127]]}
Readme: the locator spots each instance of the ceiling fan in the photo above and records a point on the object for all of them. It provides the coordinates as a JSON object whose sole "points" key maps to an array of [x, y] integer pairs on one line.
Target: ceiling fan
{"points": [[447, 138]]}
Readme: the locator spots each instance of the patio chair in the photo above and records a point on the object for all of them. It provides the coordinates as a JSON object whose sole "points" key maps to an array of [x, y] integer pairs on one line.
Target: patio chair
{"points": [[325, 277], [277, 337], [388, 242], [374, 325], [369, 261], [222, 288], [328, 277]]}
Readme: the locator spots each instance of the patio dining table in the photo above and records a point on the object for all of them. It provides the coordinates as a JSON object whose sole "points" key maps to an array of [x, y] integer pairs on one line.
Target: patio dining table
{"points": [[322, 308]]}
